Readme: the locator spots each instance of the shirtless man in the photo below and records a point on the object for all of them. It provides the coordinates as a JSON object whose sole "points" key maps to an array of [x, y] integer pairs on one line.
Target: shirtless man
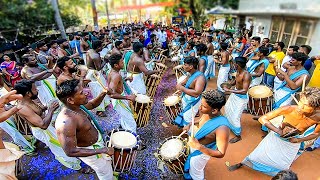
{"points": [[126, 42], [77, 129], [225, 66], [216, 131], [191, 89], [238, 98], [211, 65], [121, 94], [253, 49], [69, 69], [94, 60], [35, 114], [39, 73], [278, 150], [292, 79], [136, 68], [118, 46], [65, 50], [85, 44]]}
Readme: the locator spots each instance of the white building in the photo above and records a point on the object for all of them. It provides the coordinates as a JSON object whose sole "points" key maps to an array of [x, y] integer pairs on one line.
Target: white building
{"points": [[294, 22]]}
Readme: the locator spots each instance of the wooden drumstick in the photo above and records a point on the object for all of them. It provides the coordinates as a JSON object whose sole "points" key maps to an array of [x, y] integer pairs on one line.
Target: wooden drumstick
{"points": [[176, 92], [192, 122], [295, 99], [109, 144], [279, 65], [304, 83], [99, 81], [184, 131]]}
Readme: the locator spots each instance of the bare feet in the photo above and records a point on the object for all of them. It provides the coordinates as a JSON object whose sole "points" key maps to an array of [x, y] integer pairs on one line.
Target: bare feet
{"points": [[235, 167], [235, 139]]}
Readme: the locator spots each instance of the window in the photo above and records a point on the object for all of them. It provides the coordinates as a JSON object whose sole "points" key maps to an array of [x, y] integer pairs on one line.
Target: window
{"points": [[291, 31]]}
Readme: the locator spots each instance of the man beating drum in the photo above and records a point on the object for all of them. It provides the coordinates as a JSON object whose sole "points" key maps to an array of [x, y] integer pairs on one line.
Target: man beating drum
{"points": [[191, 89], [77, 130], [211, 137]]}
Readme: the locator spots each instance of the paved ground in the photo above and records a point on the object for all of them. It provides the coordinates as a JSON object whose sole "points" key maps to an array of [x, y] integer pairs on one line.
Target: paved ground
{"points": [[44, 166]]}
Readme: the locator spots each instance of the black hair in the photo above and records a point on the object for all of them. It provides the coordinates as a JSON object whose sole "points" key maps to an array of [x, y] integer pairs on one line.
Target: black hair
{"points": [[268, 40], [23, 86], [281, 44], [202, 48], [66, 89], [256, 38], [307, 47], [241, 61], [71, 37], [295, 48], [215, 99], [53, 42], [96, 44], [60, 41], [299, 56], [117, 43], [192, 61], [114, 59], [285, 175], [224, 46], [137, 46], [210, 38], [264, 50], [191, 43], [62, 61], [40, 44], [182, 39], [152, 36]]}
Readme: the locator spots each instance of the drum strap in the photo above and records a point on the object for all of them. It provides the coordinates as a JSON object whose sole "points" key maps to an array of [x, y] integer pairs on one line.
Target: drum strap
{"points": [[94, 121], [206, 129], [127, 57]]}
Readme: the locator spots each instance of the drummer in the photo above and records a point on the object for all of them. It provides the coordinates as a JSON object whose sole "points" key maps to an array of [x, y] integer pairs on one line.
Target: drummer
{"points": [[225, 66], [259, 65], [121, 94], [69, 69], [238, 99], [203, 61], [191, 89], [278, 149], [77, 131], [136, 68], [211, 138], [292, 79], [118, 46]]}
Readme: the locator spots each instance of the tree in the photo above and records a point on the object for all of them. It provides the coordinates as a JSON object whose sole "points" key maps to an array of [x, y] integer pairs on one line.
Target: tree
{"points": [[94, 13], [58, 19]]}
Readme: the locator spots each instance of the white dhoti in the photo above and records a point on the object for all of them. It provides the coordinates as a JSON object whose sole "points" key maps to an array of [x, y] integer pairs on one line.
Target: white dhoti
{"points": [[197, 165], [8, 161], [126, 117], [46, 92], [84, 57], [235, 104], [96, 88], [49, 137], [256, 81], [277, 83], [211, 69], [188, 114], [100, 163], [10, 128], [137, 84], [282, 97], [223, 75], [272, 155]]}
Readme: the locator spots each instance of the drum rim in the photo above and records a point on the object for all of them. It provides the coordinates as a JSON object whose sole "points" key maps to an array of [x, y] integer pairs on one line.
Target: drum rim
{"points": [[143, 95], [126, 130], [260, 97], [181, 153], [179, 99]]}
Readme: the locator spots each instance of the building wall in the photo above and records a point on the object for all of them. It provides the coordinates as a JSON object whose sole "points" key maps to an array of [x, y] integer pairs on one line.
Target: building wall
{"points": [[315, 43], [307, 5], [262, 25]]}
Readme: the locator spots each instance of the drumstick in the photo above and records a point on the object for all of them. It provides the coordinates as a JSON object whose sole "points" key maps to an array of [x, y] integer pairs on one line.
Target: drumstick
{"points": [[192, 122], [109, 144], [176, 92], [294, 98], [99, 81], [184, 131], [279, 65], [304, 83]]}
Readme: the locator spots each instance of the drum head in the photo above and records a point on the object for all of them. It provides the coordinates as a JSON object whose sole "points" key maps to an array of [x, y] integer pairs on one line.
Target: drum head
{"points": [[171, 100], [260, 91], [123, 139], [182, 78], [176, 58], [143, 98], [171, 148], [178, 67]]}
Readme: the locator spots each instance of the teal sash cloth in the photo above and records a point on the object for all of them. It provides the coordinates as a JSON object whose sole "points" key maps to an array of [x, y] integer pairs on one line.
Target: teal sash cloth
{"points": [[293, 76], [256, 64], [127, 57]]}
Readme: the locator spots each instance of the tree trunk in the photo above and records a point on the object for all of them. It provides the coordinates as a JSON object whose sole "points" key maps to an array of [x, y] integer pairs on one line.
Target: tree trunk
{"points": [[107, 11], [58, 19], [95, 15], [195, 14]]}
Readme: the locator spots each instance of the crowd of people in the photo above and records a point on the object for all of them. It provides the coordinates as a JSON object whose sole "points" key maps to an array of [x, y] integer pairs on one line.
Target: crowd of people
{"points": [[53, 83]]}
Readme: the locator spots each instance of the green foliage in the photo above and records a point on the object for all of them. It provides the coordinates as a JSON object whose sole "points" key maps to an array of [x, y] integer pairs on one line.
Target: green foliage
{"points": [[21, 14]]}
